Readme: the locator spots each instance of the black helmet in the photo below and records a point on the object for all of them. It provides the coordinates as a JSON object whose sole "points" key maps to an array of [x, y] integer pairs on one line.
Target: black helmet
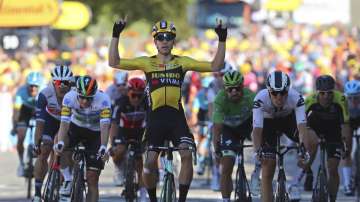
{"points": [[325, 83]]}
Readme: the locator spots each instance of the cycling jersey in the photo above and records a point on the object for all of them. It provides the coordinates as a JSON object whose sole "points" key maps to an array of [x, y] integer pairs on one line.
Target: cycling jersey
{"points": [[230, 113], [128, 116], [201, 101], [354, 111], [263, 108], [48, 110], [47, 103], [97, 113], [113, 93], [23, 97], [164, 80]]}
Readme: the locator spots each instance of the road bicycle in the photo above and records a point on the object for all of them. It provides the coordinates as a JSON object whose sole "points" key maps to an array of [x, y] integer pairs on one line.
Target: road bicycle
{"points": [[52, 185], [168, 191], [29, 157]]}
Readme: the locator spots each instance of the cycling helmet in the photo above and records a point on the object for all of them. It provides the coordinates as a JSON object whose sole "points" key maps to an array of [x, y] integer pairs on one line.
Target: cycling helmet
{"points": [[136, 84], [233, 78], [86, 86], [325, 83], [34, 79], [121, 77], [163, 26], [352, 87], [62, 73], [278, 81]]}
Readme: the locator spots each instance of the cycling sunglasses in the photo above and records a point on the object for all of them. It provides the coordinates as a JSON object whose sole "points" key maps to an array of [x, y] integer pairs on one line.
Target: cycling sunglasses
{"points": [[164, 37], [59, 83], [236, 88], [275, 93], [34, 86], [322, 93], [136, 95], [85, 98]]}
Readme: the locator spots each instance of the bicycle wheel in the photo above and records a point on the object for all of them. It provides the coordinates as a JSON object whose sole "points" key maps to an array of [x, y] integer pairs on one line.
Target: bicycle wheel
{"points": [[52, 186], [168, 193], [130, 181], [281, 195], [78, 186], [242, 189], [357, 176], [29, 170], [320, 192]]}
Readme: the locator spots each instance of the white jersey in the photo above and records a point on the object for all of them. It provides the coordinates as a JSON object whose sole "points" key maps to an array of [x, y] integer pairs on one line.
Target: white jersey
{"points": [[99, 112], [263, 107], [47, 103]]}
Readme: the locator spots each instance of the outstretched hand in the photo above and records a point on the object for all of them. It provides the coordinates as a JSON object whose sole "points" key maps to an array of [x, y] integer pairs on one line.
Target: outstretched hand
{"points": [[221, 30], [119, 26]]}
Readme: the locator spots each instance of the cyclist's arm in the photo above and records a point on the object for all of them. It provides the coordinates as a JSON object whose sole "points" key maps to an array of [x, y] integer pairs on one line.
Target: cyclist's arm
{"points": [[40, 115], [105, 116], [64, 124], [114, 127], [217, 129], [114, 56], [16, 110], [258, 122], [345, 127], [301, 122], [218, 62], [218, 118]]}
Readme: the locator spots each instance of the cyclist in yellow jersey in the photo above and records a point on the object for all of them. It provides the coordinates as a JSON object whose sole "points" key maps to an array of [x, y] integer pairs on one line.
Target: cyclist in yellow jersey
{"points": [[164, 74], [328, 115]]}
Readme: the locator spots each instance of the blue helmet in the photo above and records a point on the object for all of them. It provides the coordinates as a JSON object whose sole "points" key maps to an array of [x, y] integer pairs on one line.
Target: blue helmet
{"points": [[121, 77], [352, 87], [205, 82], [34, 78]]}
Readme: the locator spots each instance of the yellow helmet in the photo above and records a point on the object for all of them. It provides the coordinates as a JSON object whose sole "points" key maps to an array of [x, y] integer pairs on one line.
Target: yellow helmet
{"points": [[163, 26]]}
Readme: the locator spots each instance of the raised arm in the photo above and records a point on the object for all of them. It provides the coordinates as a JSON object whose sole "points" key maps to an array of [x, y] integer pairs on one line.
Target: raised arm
{"points": [[114, 56], [218, 61]]}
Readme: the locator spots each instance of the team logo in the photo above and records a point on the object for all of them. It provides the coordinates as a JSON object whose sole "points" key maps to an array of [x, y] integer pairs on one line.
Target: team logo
{"points": [[105, 113], [65, 111]]}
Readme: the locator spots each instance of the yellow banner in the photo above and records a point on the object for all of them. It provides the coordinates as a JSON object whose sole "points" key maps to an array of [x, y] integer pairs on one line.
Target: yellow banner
{"points": [[282, 5], [74, 16], [28, 13]]}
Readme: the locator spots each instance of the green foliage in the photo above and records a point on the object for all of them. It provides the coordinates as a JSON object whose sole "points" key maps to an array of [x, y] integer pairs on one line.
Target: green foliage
{"points": [[105, 12]]}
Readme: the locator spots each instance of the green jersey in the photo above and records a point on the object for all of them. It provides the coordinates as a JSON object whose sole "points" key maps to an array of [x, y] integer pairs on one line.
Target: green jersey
{"points": [[231, 113]]}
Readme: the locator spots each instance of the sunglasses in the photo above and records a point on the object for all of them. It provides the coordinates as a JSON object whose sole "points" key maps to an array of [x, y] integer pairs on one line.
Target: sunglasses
{"points": [[120, 85], [85, 98], [275, 93], [33, 86], [136, 95], [59, 83], [164, 37], [326, 92], [230, 89]]}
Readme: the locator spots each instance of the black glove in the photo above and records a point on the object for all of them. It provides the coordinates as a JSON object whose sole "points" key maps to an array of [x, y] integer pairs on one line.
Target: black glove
{"points": [[36, 150], [221, 32], [118, 28], [217, 149]]}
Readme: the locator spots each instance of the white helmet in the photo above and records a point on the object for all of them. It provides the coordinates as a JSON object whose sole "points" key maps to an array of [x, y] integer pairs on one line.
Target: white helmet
{"points": [[278, 81], [62, 73]]}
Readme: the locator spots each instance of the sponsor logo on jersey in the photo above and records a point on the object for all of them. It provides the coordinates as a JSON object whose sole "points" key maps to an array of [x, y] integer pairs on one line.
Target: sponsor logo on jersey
{"points": [[257, 104], [105, 113], [65, 111]]}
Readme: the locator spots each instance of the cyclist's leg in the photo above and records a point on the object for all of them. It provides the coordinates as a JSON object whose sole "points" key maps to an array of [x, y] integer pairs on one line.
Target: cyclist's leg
{"points": [[91, 140], [227, 164], [119, 147], [333, 159]]}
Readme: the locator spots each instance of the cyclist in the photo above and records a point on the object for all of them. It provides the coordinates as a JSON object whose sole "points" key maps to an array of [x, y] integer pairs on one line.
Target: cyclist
{"points": [[328, 115], [115, 91], [128, 123], [232, 118], [48, 110], [118, 88], [201, 116], [85, 118], [352, 92], [24, 110], [278, 108], [165, 118]]}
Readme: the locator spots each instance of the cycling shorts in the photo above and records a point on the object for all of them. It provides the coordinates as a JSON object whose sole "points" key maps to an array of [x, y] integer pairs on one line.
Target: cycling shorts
{"points": [[354, 123], [91, 141], [25, 115], [167, 123], [202, 115], [234, 136], [273, 127], [51, 127], [125, 134]]}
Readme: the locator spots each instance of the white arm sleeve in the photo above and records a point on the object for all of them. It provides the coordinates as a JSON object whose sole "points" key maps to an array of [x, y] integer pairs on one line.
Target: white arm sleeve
{"points": [[258, 114]]}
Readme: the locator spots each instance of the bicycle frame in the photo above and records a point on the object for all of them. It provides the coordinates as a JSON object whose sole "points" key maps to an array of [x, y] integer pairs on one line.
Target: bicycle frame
{"points": [[29, 165], [78, 188], [52, 186], [320, 191], [131, 184]]}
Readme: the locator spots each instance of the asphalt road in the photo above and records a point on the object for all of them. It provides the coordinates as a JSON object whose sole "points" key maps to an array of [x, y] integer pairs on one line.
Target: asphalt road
{"points": [[13, 188]]}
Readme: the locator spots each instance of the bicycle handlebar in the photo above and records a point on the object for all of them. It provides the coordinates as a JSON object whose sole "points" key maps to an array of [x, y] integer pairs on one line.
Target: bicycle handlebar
{"points": [[172, 149]]}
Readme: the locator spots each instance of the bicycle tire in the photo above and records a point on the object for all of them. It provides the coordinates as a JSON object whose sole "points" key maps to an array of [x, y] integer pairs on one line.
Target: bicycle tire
{"points": [[357, 177], [78, 186], [168, 193], [130, 184], [29, 170], [52, 186], [281, 194], [323, 194], [242, 188]]}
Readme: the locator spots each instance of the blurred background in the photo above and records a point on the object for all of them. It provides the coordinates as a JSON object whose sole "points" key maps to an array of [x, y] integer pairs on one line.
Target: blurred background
{"points": [[305, 38]]}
